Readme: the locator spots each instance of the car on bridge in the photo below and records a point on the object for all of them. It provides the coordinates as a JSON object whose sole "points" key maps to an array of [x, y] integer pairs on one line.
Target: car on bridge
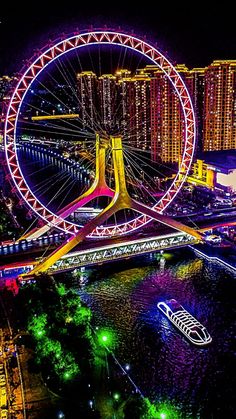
{"points": [[213, 239]]}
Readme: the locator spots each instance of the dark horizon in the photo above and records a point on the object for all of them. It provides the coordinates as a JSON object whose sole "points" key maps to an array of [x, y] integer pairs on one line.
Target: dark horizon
{"points": [[194, 38]]}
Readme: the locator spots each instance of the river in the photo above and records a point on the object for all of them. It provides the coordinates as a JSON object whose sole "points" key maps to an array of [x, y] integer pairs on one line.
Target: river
{"points": [[165, 366]]}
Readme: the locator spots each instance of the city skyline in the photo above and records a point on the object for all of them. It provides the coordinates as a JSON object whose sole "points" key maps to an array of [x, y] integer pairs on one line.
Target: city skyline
{"points": [[151, 111], [142, 106]]}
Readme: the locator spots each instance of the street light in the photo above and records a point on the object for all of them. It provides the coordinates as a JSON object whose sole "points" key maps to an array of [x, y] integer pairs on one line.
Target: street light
{"points": [[105, 338], [116, 396]]}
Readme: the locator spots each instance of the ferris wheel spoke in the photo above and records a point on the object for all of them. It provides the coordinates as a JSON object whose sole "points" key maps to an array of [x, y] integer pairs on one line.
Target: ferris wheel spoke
{"points": [[53, 96], [43, 131], [69, 127], [142, 190], [144, 159], [61, 189], [65, 74], [139, 161], [75, 128]]}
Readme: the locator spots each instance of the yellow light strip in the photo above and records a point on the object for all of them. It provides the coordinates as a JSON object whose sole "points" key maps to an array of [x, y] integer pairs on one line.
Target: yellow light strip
{"points": [[63, 116]]}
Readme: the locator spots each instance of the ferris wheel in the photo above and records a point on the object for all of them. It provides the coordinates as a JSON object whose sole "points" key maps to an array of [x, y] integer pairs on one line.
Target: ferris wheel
{"points": [[110, 159]]}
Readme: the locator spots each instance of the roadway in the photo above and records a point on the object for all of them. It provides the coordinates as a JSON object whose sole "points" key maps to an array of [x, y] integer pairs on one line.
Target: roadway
{"points": [[210, 218], [45, 244], [11, 247], [23, 254]]}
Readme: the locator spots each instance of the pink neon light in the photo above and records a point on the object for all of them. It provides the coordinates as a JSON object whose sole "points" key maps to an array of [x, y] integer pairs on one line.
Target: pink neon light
{"points": [[77, 41]]}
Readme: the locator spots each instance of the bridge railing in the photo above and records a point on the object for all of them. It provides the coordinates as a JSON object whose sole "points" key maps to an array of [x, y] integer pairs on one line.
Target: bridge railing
{"points": [[120, 251]]}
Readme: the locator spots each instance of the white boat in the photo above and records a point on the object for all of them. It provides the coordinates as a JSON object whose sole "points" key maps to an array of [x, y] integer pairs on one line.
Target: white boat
{"points": [[185, 322]]}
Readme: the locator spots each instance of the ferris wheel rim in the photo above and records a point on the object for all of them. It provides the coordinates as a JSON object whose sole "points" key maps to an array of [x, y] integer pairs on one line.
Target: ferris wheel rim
{"points": [[51, 53]]}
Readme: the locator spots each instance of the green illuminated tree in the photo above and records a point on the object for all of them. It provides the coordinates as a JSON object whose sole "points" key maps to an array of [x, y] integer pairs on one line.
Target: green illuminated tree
{"points": [[61, 289], [60, 325], [159, 411], [50, 348], [37, 325], [82, 315]]}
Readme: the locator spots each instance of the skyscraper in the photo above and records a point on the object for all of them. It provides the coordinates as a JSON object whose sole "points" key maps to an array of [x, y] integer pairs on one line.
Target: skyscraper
{"points": [[195, 80], [87, 97], [107, 101], [167, 125], [219, 131], [135, 101], [142, 131]]}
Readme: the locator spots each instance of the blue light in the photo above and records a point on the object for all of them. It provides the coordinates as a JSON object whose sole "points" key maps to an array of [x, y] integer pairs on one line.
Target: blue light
{"points": [[127, 367]]}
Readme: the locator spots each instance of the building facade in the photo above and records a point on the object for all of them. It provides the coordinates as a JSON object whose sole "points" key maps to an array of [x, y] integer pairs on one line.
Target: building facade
{"points": [[167, 122], [87, 98], [107, 101], [219, 131], [134, 93], [195, 80], [215, 170]]}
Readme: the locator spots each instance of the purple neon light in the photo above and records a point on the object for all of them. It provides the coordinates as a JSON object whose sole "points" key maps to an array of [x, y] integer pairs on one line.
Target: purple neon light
{"points": [[170, 72]]}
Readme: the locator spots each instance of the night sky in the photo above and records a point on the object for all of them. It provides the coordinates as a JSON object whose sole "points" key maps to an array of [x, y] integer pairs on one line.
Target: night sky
{"points": [[195, 37]]}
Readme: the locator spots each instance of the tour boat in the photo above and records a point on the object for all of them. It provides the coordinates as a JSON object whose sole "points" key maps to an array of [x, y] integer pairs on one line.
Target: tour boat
{"points": [[185, 322]]}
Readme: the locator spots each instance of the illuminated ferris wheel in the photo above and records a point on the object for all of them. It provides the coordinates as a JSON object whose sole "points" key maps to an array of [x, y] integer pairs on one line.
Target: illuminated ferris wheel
{"points": [[85, 80]]}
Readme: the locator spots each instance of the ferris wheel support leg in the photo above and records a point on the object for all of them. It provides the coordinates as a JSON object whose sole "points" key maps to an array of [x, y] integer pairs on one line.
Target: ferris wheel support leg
{"points": [[35, 233], [121, 200], [163, 219], [73, 241], [98, 188]]}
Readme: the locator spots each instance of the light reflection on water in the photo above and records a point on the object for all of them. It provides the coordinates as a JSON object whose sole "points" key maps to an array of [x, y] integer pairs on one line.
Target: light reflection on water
{"points": [[164, 365]]}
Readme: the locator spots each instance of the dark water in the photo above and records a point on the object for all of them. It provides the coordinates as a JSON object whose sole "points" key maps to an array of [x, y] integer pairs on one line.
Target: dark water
{"points": [[55, 180], [199, 382]]}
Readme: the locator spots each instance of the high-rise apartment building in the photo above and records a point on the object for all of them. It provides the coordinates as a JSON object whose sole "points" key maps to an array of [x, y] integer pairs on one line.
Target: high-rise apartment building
{"points": [[144, 107], [107, 97], [195, 81], [123, 73], [5, 84], [142, 132], [134, 95], [167, 125], [87, 97], [219, 131]]}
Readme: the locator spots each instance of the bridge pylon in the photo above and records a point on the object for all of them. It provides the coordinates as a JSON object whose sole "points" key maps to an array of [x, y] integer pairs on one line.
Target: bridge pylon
{"points": [[98, 188]]}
